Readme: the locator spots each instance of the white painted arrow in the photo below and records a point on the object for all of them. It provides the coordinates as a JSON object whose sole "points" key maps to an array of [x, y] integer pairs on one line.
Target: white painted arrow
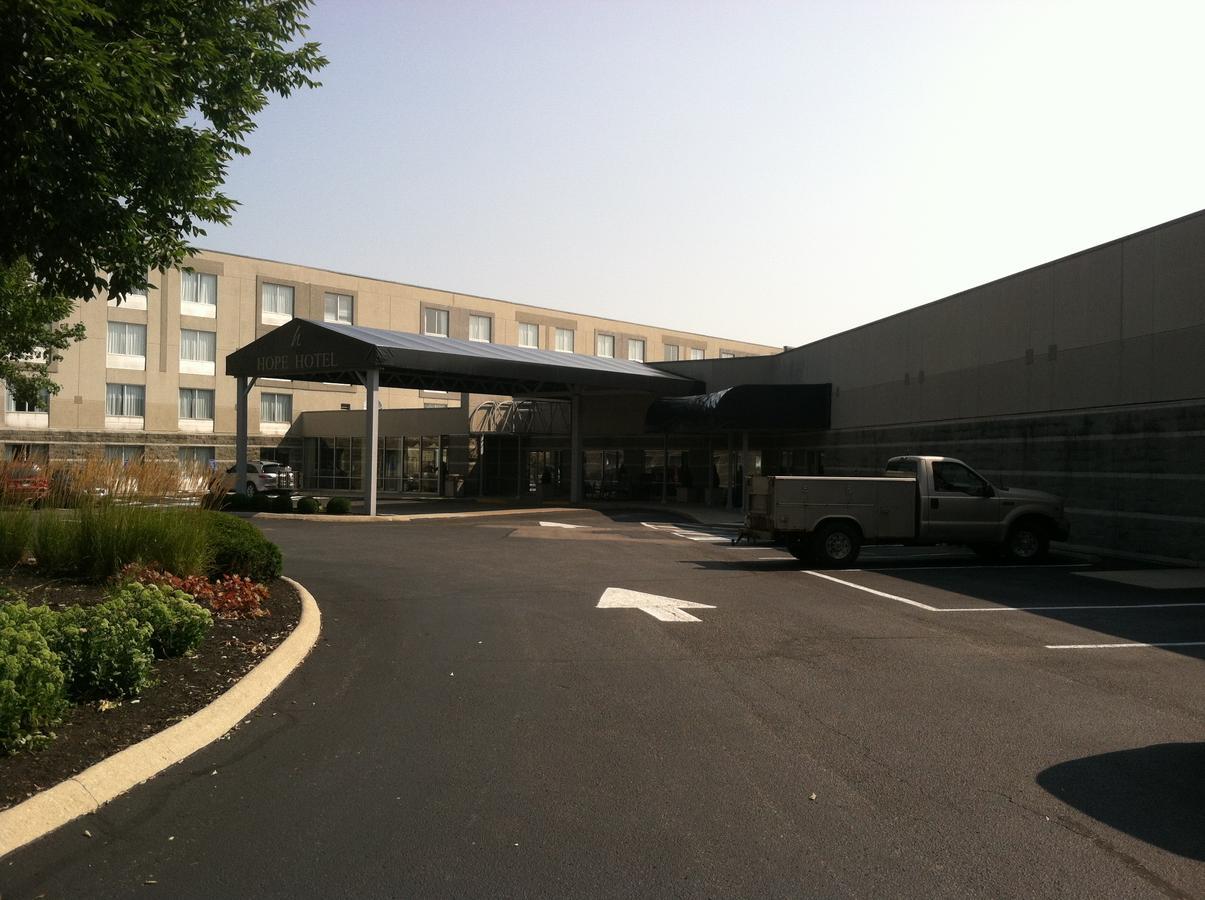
{"points": [[667, 609], [560, 525]]}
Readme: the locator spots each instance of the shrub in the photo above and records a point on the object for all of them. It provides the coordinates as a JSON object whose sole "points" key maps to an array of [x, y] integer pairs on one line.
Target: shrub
{"points": [[54, 544], [31, 681], [238, 548], [308, 505], [16, 535], [230, 597], [261, 502], [178, 625], [338, 506], [109, 536], [104, 650], [236, 502], [282, 503]]}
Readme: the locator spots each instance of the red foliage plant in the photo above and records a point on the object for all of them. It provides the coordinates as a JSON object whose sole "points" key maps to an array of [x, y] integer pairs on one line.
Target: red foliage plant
{"points": [[230, 597]]}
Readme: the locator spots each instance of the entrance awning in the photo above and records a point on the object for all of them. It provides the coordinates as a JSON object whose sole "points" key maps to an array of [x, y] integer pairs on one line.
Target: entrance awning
{"points": [[746, 407], [304, 350]]}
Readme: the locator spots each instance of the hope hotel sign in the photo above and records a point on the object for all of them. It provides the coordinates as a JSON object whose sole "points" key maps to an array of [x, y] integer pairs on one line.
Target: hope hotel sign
{"points": [[294, 362]]}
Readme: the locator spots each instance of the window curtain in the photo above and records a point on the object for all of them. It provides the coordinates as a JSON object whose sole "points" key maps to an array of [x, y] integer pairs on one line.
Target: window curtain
{"points": [[196, 403], [125, 400], [278, 298], [201, 346], [127, 339], [275, 407]]}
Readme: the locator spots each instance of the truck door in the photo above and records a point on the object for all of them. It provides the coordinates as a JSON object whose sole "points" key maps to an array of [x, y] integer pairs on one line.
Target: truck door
{"points": [[962, 507]]}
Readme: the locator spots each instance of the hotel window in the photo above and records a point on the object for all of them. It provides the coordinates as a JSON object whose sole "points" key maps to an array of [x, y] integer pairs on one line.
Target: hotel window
{"points": [[277, 302], [671, 352], [123, 453], [126, 346], [604, 345], [727, 354], [39, 403], [635, 350], [276, 408], [529, 335], [198, 294], [435, 322], [196, 403], [198, 351], [125, 400], [197, 456], [481, 329], [696, 352], [564, 340], [338, 308]]}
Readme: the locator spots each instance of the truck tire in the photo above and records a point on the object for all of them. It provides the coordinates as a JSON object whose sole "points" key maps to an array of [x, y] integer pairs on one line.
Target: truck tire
{"points": [[1027, 541], [837, 544]]}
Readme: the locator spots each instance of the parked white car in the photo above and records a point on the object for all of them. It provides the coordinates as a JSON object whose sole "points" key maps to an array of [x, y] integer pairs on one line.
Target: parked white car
{"points": [[262, 475]]}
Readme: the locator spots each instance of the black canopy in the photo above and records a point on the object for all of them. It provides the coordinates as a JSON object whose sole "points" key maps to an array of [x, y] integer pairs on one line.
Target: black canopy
{"points": [[746, 407], [306, 350]]}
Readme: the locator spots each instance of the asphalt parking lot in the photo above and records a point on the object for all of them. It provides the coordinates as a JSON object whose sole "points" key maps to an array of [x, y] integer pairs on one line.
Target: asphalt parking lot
{"points": [[619, 705]]}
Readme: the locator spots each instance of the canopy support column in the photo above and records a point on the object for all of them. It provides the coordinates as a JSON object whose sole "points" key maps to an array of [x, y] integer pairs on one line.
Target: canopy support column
{"points": [[575, 447], [244, 385], [731, 472], [372, 381]]}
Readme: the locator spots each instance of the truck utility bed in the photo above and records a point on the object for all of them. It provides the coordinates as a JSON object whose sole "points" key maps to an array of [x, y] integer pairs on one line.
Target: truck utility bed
{"points": [[885, 508]]}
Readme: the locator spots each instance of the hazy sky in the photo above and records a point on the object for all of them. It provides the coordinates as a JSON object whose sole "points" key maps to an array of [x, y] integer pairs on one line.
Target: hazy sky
{"points": [[774, 172]]}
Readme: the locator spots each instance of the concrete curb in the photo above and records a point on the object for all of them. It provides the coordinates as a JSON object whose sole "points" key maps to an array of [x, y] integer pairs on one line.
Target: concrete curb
{"points": [[109, 778], [417, 517]]}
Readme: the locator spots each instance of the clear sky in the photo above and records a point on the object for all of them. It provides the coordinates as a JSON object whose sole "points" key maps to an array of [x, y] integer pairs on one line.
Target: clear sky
{"points": [[773, 172]]}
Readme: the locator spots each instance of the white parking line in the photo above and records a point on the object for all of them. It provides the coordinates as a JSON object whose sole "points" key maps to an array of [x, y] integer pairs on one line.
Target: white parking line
{"points": [[981, 566], [859, 587], [1123, 646]]}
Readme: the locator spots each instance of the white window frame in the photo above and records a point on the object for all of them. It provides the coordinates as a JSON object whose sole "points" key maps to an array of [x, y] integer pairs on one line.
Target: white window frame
{"points": [[122, 359], [37, 417], [475, 322], [275, 293], [442, 318], [561, 333], [340, 301], [188, 420], [636, 349], [133, 397], [523, 330], [272, 402], [604, 345], [198, 365], [196, 291]]}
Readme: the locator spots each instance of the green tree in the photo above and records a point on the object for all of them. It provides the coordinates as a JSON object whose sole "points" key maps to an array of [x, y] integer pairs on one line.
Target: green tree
{"points": [[118, 119]]}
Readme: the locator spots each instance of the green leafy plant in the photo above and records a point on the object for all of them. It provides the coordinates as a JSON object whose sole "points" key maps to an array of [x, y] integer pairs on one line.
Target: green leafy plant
{"points": [[236, 502], [239, 548], [32, 684], [178, 625], [261, 502], [105, 651], [282, 503], [55, 548], [338, 506], [308, 505], [229, 597]]}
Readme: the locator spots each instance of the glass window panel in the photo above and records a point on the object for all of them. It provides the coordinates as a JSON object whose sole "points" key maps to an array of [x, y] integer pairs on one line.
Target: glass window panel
{"points": [[671, 352], [564, 340], [338, 308], [196, 403], [278, 299], [200, 346], [696, 352], [198, 287], [127, 338], [636, 350], [275, 407], [481, 328], [197, 456], [529, 335], [40, 402], [604, 345], [125, 400], [435, 322]]}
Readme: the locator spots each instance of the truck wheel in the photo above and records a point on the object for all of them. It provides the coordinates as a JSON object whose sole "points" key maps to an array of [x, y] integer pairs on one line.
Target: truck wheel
{"points": [[837, 545], [1027, 542]]}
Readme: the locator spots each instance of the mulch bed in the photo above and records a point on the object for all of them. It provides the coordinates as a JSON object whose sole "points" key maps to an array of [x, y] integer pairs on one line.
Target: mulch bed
{"points": [[91, 732]]}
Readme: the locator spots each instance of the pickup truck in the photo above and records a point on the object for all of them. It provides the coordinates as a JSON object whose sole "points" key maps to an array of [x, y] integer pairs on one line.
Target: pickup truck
{"points": [[919, 500]]}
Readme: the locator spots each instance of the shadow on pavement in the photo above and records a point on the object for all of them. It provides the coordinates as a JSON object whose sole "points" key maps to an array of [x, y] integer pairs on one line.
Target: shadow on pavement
{"points": [[1156, 793]]}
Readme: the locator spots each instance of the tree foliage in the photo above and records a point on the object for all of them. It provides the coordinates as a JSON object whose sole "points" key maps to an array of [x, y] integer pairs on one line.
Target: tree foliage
{"points": [[118, 119]]}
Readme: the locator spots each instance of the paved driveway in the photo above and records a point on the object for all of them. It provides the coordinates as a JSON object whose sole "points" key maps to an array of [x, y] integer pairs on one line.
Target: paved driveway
{"points": [[473, 724]]}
